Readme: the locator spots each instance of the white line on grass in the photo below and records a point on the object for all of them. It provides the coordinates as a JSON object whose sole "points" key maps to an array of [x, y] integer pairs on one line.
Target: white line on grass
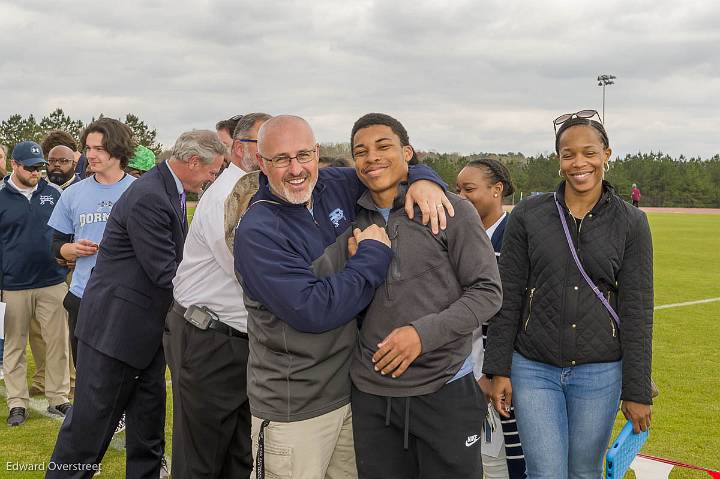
{"points": [[40, 407], [687, 303]]}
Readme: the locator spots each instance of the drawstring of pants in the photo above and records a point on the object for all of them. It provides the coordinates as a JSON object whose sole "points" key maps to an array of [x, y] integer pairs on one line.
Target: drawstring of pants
{"points": [[406, 427], [260, 458]]}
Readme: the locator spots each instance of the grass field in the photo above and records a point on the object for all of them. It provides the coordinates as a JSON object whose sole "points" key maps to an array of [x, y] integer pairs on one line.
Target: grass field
{"points": [[686, 416]]}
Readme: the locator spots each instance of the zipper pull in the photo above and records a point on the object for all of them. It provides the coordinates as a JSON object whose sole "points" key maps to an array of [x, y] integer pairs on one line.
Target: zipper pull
{"points": [[532, 293]]}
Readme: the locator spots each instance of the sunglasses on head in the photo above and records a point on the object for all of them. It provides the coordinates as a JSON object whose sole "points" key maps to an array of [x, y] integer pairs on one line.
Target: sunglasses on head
{"points": [[585, 114], [34, 168]]}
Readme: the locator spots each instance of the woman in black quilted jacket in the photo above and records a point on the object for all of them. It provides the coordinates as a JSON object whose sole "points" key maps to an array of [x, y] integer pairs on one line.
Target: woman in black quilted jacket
{"points": [[554, 350]]}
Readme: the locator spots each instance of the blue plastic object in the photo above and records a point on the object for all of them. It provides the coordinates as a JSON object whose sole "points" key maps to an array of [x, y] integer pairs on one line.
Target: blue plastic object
{"points": [[623, 451]]}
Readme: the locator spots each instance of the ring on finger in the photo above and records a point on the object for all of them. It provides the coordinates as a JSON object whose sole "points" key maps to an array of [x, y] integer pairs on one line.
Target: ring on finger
{"points": [[439, 205]]}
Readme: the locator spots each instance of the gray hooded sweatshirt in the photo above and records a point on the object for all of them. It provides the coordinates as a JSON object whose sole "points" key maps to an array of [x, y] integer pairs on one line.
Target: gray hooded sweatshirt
{"points": [[444, 285]]}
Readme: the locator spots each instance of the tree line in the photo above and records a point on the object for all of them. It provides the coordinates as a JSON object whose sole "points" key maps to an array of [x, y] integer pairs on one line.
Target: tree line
{"points": [[17, 128], [662, 179]]}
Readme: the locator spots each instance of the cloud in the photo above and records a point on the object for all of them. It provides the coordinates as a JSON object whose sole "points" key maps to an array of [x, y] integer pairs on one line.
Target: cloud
{"points": [[463, 76]]}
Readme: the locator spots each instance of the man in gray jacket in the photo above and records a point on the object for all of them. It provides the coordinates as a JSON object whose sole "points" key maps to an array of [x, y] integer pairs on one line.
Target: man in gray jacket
{"points": [[417, 410]]}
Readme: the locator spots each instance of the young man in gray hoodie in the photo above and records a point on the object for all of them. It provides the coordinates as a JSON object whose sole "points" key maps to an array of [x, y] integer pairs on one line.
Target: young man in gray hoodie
{"points": [[417, 410]]}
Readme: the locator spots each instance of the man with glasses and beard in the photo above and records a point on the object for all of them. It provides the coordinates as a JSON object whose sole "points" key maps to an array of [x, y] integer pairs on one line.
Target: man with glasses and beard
{"points": [[32, 284], [59, 137], [61, 166]]}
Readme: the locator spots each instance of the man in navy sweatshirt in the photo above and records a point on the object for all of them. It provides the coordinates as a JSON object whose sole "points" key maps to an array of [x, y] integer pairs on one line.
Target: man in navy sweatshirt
{"points": [[32, 283]]}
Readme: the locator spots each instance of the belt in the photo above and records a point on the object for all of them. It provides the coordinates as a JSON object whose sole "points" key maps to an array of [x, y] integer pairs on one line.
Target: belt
{"points": [[217, 326]]}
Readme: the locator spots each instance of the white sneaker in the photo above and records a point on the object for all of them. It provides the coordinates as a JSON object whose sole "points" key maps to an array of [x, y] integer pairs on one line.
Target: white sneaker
{"points": [[164, 469]]}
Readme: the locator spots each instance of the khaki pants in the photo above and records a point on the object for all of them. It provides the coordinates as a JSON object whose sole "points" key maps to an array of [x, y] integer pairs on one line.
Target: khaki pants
{"points": [[45, 306], [495, 467], [317, 448], [37, 346]]}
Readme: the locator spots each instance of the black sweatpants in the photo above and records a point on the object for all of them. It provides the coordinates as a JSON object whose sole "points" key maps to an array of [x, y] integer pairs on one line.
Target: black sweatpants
{"points": [[426, 437], [105, 387], [211, 413], [72, 304]]}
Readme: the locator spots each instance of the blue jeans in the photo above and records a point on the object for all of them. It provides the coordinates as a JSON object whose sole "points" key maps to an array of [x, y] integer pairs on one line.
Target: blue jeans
{"points": [[565, 416]]}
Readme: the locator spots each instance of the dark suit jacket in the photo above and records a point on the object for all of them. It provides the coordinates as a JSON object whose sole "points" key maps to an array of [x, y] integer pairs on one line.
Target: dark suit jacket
{"points": [[123, 309]]}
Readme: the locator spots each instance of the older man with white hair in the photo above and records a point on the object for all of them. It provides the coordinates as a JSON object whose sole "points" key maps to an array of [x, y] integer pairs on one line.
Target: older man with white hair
{"points": [[121, 364]]}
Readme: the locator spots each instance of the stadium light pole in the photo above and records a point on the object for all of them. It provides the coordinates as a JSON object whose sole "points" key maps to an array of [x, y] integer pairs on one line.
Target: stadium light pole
{"points": [[603, 81]]}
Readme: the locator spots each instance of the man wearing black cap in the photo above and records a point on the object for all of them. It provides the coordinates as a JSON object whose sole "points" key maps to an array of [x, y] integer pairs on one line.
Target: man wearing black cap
{"points": [[32, 283]]}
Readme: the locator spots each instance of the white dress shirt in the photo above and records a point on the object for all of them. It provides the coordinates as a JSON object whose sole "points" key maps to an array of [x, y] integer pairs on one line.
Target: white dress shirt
{"points": [[206, 275], [178, 183]]}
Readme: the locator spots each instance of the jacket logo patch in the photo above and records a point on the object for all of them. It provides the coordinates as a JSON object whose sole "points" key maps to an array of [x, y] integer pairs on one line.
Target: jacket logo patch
{"points": [[471, 440], [336, 216], [47, 199]]}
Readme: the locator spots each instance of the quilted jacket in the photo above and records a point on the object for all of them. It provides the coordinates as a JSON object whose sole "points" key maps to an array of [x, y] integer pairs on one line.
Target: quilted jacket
{"points": [[551, 315]]}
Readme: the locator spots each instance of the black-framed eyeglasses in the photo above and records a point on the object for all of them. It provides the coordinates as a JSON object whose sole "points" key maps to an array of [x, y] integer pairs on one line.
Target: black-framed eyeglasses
{"points": [[586, 114], [34, 168], [246, 140], [59, 161], [282, 161]]}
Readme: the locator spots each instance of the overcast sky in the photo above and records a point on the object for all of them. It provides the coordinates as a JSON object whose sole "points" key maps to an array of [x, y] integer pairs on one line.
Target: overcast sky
{"points": [[462, 75]]}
